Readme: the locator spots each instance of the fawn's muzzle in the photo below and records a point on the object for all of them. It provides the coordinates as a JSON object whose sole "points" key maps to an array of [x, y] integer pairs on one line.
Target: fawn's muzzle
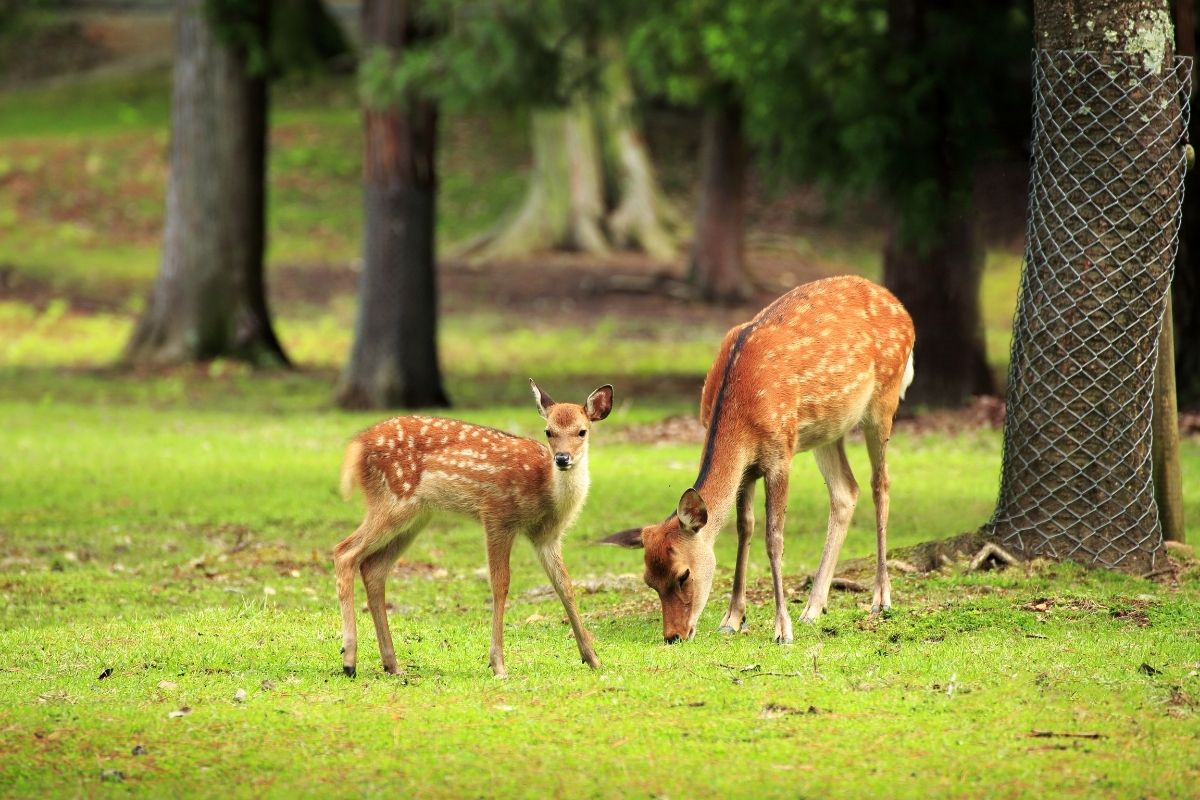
{"points": [[562, 460]]}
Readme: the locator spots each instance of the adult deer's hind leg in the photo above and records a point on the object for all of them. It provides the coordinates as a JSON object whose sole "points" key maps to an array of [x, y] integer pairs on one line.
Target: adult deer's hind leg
{"points": [[843, 496], [877, 431]]}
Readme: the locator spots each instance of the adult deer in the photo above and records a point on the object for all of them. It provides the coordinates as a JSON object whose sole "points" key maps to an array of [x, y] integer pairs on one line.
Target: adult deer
{"points": [[410, 466], [821, 359]]}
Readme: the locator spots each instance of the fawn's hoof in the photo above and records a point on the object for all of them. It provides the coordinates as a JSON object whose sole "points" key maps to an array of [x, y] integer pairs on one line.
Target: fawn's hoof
{"points": [[350, 672], [726, 629]]}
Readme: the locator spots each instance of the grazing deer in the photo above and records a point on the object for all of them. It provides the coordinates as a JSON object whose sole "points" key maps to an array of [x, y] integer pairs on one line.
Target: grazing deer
{"points": [[818, 361], [410, 466]]}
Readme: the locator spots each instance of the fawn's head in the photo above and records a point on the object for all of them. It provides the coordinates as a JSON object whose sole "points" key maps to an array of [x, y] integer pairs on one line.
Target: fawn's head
{"points": [[679, 564], [568, 424]]}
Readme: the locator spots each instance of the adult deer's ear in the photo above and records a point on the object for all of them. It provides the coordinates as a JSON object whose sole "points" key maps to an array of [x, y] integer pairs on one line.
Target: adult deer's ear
{"points": [[692, 512], [630, 538], [541, 398], [599, 403]]}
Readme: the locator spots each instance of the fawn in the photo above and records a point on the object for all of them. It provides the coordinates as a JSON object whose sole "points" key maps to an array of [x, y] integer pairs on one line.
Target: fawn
{"points": [[809, 367], [408, 467]]}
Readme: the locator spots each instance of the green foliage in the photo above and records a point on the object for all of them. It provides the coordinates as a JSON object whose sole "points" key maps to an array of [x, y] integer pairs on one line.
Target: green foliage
{"points": [[278, 37], [840, 92], [497, 54]]}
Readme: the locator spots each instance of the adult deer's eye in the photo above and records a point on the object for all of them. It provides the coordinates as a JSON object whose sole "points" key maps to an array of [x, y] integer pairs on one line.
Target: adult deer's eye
{"points": [[583, 433], [548, 433], [683, 578]]}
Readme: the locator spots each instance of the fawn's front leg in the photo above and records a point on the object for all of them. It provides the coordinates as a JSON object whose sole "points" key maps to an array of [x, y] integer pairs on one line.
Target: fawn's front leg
{"points": [[550, 554], [499, 549]]}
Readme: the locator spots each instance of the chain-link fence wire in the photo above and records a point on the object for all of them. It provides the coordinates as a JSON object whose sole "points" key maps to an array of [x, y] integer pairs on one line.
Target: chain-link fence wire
{"points": [[1106, 190]]}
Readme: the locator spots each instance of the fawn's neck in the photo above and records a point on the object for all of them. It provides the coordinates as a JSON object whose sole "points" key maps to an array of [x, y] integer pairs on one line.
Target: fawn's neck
{"points": [[569, 490]]}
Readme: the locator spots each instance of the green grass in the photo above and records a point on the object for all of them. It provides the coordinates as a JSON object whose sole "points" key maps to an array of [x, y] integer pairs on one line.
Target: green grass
{"points": [[175, 528], [173, 539]]}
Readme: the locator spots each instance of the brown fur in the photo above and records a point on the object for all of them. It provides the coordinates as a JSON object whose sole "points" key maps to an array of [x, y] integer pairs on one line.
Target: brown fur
{"points": [[410, 466], [821, 359]]}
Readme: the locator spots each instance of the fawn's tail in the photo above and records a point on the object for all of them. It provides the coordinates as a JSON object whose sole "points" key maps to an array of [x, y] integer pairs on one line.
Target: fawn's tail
{"points": [[350, 463]]}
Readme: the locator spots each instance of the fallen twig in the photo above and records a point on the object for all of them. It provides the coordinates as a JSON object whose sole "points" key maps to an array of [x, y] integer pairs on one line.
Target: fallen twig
{"points": [[1035, 734]]}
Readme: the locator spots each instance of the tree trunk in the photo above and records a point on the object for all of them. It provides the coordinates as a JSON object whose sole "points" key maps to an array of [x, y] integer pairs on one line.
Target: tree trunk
{"points": [[564, 206], [1186, 288], [717, 269], [1104, 199], [394, 360], [936, 272], [1168, 478], [642, 216], [588, 158], [209, 299], [939, 285]]}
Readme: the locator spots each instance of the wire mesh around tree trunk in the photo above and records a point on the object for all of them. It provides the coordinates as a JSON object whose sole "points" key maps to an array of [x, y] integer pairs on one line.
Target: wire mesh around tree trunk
{"points": [[1106, 190]]}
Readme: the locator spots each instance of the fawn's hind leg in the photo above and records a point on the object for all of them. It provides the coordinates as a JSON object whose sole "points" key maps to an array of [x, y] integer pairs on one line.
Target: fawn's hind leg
{"points": [[375, 569], [348, 557]]}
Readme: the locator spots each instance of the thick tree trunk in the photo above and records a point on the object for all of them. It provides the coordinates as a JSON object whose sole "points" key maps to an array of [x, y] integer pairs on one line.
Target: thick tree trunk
{"points": [[1076, 479], [394, 360], [717, 268], [209, 299], [936, 272], [642, 216], [939, 285], [588, 158], [564, 205]]}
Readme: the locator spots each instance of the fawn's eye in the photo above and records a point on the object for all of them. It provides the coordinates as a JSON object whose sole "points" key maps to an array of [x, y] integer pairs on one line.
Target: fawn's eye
{"points": [[683, 578], [548, 434], [583, 433]]}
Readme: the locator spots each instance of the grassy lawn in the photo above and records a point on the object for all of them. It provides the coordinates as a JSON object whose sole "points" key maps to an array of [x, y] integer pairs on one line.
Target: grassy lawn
{"points": [[169, 622], [181, 541]]}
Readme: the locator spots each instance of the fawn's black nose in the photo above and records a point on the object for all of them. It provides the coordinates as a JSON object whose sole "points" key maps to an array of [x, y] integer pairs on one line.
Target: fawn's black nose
{"points": [[672, 639], [562, 460]]}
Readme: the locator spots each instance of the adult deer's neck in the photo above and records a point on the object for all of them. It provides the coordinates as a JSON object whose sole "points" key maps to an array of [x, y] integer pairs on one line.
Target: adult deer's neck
{"points": [[724, 461]]}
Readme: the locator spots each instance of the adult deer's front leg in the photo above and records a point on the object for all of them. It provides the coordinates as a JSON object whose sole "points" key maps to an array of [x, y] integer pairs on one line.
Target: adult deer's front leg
{"points": [[777, 491], [499, 549], [550, 554], [735, 617], [843, 496]]}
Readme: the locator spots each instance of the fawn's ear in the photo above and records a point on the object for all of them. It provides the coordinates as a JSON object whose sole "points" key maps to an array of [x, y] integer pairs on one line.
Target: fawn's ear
{"points": [[541, 398], [599, 403], [692, 512], [630, 538]]}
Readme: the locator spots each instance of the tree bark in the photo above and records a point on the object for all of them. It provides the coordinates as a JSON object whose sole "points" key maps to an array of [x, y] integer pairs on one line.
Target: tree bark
{"points": [[717, 268], [936, 273], [1076, 479], [593, 184], [642, 216], [394, 360], [564, 205], [209, 297], [939, 285], [1168, 477]]}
